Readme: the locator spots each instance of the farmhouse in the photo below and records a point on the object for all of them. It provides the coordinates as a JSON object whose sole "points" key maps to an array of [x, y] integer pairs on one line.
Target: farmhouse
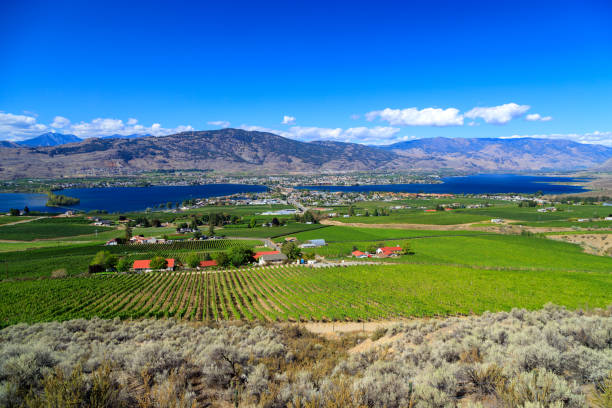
{"points": [[359, 254], [385, 252], [273, 259], [262, 253], [113, 241], [144, 265], [207, 264]]}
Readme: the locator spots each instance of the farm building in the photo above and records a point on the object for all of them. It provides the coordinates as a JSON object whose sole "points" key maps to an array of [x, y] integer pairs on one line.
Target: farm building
{"points": [[359, 254], [207, 264], [313, 243], [144, 265], [273, 259], [385, 252], [262, 253], [113, 241]]}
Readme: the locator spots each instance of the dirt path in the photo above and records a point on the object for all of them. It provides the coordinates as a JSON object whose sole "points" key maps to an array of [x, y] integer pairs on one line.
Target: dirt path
{"points": [[505, 228], [22, 221]]}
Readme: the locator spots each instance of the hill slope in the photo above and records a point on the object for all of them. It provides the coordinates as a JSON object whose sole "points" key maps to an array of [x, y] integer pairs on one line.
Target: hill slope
{"points": [[501, 154], [236, 150]]}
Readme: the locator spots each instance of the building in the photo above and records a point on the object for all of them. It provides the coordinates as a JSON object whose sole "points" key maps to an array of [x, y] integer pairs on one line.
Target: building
{"points": [[291, 239], [144, 265], [207, 264], [497, 220], [385, 252], [113, 241], [262, 253], [273, 259], [359, 254], [313, 243]]}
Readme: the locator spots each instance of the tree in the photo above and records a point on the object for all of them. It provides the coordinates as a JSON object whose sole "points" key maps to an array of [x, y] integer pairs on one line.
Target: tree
{"points": [[158, 262], [222, 259], [128, 233], [14, 212], [197, 234], [292, 251], [406, 249], [193, 260], [156, 223], [240, 255], [351, 211], [275, 222], [26, 210], [104, 259], [252, 223], [211, 229], [123, 265]]}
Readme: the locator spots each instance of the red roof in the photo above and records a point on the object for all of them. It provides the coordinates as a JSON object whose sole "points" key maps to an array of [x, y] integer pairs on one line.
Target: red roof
{"points": [[205, 264], [146, 263], [392, 249], [358, 253], [259, 254], [430, 210]]}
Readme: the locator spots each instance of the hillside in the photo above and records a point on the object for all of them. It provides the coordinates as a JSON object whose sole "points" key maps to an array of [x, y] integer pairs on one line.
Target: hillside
{"points": [[502, 154], [235, 150]]}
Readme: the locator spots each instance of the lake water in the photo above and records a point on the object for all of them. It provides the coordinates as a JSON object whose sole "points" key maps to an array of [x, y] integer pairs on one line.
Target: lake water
{"points": [[478, 184], [123, 199]]}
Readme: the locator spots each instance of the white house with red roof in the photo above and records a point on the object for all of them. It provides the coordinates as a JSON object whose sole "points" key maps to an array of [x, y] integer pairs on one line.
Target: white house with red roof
{"points": [[385, 252]]}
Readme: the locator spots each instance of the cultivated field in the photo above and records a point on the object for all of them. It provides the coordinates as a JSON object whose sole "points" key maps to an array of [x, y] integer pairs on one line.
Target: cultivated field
{"points": [[365, 292]]}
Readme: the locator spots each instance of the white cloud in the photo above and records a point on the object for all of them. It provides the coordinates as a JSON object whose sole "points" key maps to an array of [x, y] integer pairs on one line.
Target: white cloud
{"points": [[60, 122], [288, 120], [365, 135], [416, 117], [596, 137], [19, 127], [498, 115], [220, 123], [533, 117]]}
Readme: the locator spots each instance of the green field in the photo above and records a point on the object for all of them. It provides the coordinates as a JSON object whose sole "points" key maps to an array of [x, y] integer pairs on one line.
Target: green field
{"points": [[352, 293], [75, 258], [565, 217], [485, 250], [420, 217], [6, 219], [46, 228], [267, 232], [357, 234]]}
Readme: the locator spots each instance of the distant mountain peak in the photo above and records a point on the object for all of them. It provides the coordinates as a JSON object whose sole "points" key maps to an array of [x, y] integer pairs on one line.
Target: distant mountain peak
{"points": [[49, 139]]}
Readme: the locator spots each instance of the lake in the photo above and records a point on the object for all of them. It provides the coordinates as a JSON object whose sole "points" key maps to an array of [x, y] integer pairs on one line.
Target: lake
{"points": [[123, 199], [477, 184]]}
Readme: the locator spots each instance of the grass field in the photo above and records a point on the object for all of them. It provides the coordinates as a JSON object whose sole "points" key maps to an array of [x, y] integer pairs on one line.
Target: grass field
{"points": [[356, 234], [490, 251], [7, 219], [49, 228], [420, 217], [280, 293], [565, 217], [75, 258], [266, 232]]}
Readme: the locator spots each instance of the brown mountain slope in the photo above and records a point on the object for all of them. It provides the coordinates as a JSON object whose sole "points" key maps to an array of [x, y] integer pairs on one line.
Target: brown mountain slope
{"points": [[235, 150]]}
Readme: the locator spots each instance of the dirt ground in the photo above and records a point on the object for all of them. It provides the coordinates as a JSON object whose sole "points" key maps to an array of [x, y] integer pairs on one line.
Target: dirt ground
{"points": [[597, 244]]}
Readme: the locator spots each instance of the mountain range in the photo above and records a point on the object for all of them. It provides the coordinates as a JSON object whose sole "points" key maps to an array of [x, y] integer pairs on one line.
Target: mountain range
{"points": [[236, 150]]}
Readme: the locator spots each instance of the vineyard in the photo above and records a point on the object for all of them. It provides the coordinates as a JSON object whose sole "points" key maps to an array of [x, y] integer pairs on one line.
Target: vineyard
{"points": [[355, 293]]}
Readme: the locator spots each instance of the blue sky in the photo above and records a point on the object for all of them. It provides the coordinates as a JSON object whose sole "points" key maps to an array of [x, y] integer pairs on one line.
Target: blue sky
{"points": [[364, 72]]}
